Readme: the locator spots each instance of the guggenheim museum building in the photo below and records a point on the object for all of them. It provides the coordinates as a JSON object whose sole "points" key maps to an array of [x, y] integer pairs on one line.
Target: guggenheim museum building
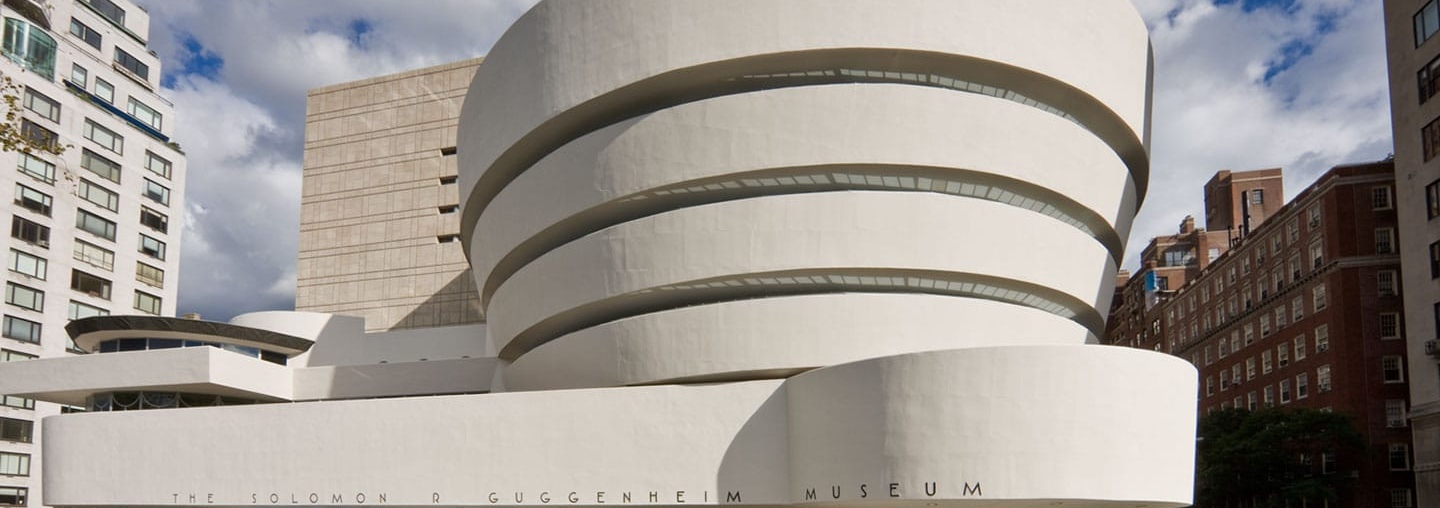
{"points": [[750, 252]]}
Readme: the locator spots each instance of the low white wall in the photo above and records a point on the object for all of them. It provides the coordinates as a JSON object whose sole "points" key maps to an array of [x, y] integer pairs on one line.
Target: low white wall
{"points": [[1008, 426]]}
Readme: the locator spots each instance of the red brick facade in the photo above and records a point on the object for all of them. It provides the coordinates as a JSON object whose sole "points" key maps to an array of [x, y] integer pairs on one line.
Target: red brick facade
{"points": [[1304, 312]]}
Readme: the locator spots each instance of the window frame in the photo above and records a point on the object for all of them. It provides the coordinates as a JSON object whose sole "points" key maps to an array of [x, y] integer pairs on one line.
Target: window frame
{"points": [[83, 32]]}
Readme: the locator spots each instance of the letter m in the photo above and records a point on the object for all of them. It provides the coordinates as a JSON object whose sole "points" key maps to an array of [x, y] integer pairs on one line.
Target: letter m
{"points": [[971, 490], [732, 497], [809, 494]]}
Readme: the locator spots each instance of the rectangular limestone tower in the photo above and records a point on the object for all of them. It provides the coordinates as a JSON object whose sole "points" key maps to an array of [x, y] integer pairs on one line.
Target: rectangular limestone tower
{"points": [[379, 212]]}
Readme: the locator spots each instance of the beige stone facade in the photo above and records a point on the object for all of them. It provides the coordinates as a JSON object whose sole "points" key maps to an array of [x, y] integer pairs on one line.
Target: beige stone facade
{"points": [[379, 216]]}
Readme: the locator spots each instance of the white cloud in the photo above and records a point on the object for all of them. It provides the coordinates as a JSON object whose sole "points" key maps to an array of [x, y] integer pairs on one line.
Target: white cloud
{"points": [[1214, 110]]}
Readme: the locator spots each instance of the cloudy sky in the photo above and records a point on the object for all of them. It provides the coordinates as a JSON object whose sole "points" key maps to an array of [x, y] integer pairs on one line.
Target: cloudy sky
{"points": [[1246, 84]]}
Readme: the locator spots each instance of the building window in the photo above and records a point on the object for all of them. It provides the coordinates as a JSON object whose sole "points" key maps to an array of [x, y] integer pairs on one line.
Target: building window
{"points": [[1430, 139], [149, 275], [1300, 347], [1389, 325], [104, 137], [1280, 316], [22, 330], [1294, 268], [94, 224], [1249, 334], [94, 255], [39, 136], [79, 75], [132, 64], [1269, 396], [1317, 255], [1265, 326], [1399, 457], [1234, 344], [145, 114], [44, 106], [1284, 391], [29, 232], [1393, 369], [1302, 386], [1266, 365], [1297, 309], [1435, 260], [1380, 198], [154, 220], [1224, 380], [10, 400], [1401, 498], [33, 200], [157, 165], [24, 297], [1395, 413], [1327, 462], [80, 311], [1250, 368], [156, 192], [1209, 386], [1322, 339], [37, 168], [1318, 295], [147, 303], [1251, 401], [14, 464], [30, 47], [1427, 22], [85, 33], [1432, 198], [16, 430], [99, 165], [1385, 281], [152, 247], [1282, 354], [28, 264], [98, 195], [104, 90], [13, 496], [108, 9], [1384, 240], [89, 284]]}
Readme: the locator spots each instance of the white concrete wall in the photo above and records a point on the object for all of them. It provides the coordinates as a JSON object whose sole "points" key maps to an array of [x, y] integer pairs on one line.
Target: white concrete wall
{"points": [[1008, 426]]}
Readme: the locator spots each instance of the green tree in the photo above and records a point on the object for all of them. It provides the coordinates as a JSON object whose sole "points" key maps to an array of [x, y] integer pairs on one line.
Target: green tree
{"points": [[1270, 456]]}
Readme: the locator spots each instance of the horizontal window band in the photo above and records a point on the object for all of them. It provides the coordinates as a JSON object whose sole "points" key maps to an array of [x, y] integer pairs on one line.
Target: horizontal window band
{"points": [[800, 180], [729, 77], [804, 282]]}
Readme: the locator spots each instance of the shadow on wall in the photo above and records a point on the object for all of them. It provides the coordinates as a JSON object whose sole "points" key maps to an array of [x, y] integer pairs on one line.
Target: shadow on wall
{"points": [[457, 303], [764, 439]]}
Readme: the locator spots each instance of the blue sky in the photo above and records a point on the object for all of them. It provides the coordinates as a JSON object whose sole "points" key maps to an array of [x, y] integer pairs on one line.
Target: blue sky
{"points": [[1240, 84]]}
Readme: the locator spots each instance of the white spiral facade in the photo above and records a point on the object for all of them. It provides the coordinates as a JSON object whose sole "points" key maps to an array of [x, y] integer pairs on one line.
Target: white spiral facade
{"points": [[687, 191]]}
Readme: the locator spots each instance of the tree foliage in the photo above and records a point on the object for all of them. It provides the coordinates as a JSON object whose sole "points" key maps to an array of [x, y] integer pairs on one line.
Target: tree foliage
{"points": [[13, 137], [1269, 456]]}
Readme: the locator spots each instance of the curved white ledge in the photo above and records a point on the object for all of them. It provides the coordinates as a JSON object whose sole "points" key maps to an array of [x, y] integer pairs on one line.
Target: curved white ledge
{"points": [[868, 137], [748, 339], [600, 275]]}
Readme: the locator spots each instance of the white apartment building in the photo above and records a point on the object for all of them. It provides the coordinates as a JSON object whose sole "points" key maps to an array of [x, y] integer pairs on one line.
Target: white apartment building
{"points": [[94, 230]]}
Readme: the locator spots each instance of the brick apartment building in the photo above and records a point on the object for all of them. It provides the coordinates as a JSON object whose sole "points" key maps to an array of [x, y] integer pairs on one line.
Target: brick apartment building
{"points": [[1304, 310]]}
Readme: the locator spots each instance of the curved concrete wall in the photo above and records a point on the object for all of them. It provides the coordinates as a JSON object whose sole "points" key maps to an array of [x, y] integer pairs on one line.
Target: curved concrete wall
{"points": [[632, 169], [1010, 426], [760, 337]]}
